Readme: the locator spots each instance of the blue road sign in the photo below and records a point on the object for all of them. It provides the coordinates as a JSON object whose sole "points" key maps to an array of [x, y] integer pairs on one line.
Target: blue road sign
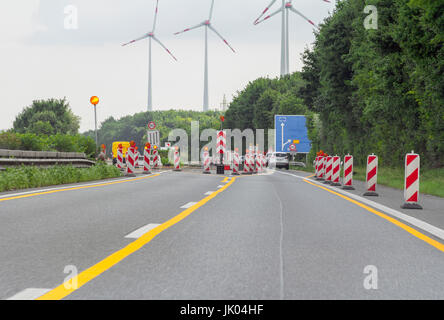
{"points": [[289, 128]]}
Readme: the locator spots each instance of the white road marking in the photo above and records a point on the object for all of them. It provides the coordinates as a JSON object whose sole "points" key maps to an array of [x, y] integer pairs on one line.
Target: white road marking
{"points": [[29, 294], [70, 186], [141, 231], [220, 187], [437, 232], [188, 205], [208, 193]]}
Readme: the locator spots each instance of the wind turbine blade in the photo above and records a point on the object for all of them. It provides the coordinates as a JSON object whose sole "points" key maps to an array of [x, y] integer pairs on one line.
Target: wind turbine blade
{"points": [[188, 29], [132, 41], [265, 11], [211, 10], [269, 16], [223, 39], [161, 44], [304, 17], [155, 15]]}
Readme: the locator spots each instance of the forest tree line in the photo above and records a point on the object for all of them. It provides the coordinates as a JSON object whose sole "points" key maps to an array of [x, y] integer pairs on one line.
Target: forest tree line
{"points": [[363, 90]]}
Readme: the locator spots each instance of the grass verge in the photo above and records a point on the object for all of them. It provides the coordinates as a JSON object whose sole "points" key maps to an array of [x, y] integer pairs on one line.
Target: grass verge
{"points": [[431, 180], [35, 177]]}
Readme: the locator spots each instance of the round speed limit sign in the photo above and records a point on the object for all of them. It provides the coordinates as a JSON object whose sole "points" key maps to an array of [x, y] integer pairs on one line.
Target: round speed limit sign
{"points": [[151, 125]]}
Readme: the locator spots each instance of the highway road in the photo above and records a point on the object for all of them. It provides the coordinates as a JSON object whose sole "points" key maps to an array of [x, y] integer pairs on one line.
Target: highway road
{"points": [[185, 235]]}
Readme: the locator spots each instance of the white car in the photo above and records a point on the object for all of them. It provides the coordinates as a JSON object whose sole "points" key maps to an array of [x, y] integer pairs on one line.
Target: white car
{"points": [[139, 162], [278, 160]]}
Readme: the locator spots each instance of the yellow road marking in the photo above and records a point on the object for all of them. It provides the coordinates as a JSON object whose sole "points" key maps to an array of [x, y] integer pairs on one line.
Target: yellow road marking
{"points": [[75, 188], [407, 228], [225, 180], [84, 277]]}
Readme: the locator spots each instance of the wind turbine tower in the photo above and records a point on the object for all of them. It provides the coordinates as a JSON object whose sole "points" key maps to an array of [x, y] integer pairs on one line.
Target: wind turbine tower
{"points": [[285, 9], [151, 37], [208, 26]]}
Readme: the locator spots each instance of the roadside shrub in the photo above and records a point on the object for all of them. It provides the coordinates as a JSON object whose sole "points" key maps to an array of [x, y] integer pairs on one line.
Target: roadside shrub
{"points": [[34, 177], [10, 141]]}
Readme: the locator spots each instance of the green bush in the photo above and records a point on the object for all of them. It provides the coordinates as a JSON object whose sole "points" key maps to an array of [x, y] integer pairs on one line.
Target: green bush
{"points": [[34, 177], [9, 140], [57, 142]]}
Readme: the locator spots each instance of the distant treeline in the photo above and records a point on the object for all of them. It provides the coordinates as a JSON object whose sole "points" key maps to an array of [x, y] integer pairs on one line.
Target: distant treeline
{"points": [[135, 127], [364, 90]]}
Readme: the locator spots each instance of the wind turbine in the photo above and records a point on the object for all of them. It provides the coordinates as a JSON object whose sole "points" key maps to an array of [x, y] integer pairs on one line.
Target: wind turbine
{"points": [[151, 37], [284, 10], [207, 24]]}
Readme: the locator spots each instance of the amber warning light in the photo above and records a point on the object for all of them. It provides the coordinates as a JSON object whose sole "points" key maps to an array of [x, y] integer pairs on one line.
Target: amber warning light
{"points": [[94, 100]]}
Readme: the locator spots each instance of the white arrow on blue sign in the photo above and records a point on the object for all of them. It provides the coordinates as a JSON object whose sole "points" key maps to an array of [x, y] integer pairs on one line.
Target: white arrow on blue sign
{"points": [[290, 128]]}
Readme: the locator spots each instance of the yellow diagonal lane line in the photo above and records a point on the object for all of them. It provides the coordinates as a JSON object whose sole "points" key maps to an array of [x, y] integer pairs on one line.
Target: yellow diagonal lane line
{"points": [[84, 277], [75, 188], [407, 228]]}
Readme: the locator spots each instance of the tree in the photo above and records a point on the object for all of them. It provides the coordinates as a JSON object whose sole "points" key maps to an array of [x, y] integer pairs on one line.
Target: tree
{"points": [[47, 117]]}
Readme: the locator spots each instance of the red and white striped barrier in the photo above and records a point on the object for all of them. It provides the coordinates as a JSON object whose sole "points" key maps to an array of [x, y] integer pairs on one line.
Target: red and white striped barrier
{"points": [[316, 166], [411, 183], [336, 171], [235, 170], [155, 158], [251, 162], [246, 164], [328, 165], [119, 163], [264, 165], [321, 167], [206, 162], [348, 173], [372, 176], [130, 162], [176, 160], [221, 144], [146, 161], [258, 164]]}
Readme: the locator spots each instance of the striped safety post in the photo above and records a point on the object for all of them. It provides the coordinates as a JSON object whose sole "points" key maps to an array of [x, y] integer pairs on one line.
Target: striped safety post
{"points": [[155, 158], [348, 173], [146, 159], [235, 170], [130, 162], [251, 160], [206, 162], [264, 164], [136, 157], [372, 175], [321, 167], [119, 163], [328, 167], [258, 164], [336, 171], [411, 183], [246, 164], [221, 144], [318, 167], [176, 160]]}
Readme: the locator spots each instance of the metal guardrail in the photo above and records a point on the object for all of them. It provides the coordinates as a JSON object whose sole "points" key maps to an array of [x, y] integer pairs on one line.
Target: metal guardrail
{"points": [[12, 158]]}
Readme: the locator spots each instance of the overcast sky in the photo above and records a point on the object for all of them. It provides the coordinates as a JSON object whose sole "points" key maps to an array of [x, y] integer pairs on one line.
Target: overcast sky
{"points": [[41, 59]]}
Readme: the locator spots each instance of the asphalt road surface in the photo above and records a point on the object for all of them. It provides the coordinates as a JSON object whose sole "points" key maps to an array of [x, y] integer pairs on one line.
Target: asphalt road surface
{"points": [[275, 235]]}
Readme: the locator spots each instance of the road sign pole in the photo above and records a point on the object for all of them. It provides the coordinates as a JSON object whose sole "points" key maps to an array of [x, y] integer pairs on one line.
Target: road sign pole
{"points": [[95, 122]]}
